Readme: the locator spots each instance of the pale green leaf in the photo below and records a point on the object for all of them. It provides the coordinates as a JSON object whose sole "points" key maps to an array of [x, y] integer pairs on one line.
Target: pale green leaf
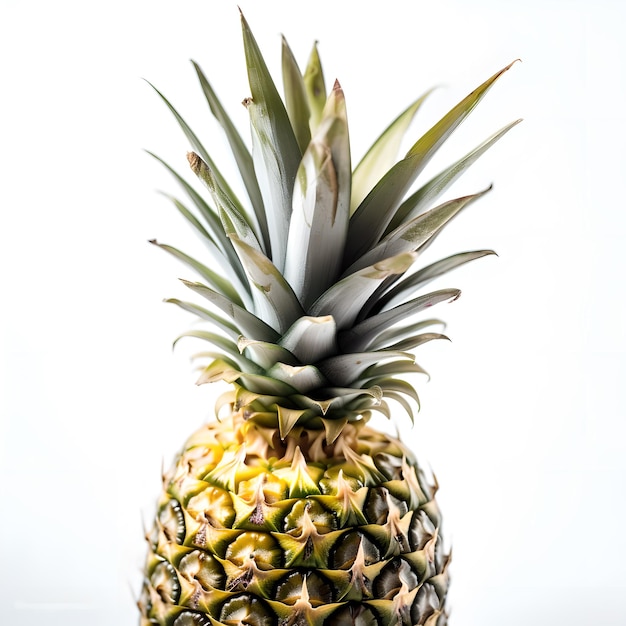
{"points": [[196, 224], [370, 220], [416, 233], [216, 253], [206, 211], [399, 333], [337, 398], [365, 332], [247, 323], [226, 326], [334, 428], [240, 152], [266, 385], [344, 369], [410, 284], [219, 369], [428, 193], [276, 154], [200, 149], [311, 338], [382, 154], [391, 369], [217, 281], [345, 298], [229, 350], [403, 402], [303, 378], [272, 295], [321, 197], [264, 353], [223, 343], [315, 87], [288, 418], [233, 221], [410, 343], [397, 389], [296, 100]]}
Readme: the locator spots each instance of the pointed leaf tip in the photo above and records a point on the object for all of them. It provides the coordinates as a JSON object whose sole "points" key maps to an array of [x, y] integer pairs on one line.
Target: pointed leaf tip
{"points": [[195, 162]]}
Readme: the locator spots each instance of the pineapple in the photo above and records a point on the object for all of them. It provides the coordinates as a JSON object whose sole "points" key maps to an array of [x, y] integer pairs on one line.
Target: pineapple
{"points": [[290, 509]]}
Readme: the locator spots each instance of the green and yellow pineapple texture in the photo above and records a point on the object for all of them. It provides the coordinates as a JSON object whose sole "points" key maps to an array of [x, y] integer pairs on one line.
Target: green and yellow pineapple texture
{"points": [[289, 509]]}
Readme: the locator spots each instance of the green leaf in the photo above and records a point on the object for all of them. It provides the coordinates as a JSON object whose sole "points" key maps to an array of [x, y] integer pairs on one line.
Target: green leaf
{"points": [[228, 327], [206, 211], [427, 194], [303, 378], [382, 154], [266, 385], [247, 323], [334, 428], [241, 153], [396, 388], [345, 298], [337, 398], [233, 221], [266, 354], [372, 217], [272, 295], [228, 346], [315, 87], [344, 369], [196, 224], [416, 233], [216, 253], [411, 283], [220, 369], [364, 333], [391, 369], [410, 343], [321, 198], [198, 147], [397, 333], [388, 384], [275, 153], [401, 400], [296, 100], [288, 418], [311, 338], [216, 280], [211, 220]]}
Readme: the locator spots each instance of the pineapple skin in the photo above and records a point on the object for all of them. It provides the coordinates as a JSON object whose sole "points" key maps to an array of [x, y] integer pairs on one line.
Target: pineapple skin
{"points": [[251, 529]]}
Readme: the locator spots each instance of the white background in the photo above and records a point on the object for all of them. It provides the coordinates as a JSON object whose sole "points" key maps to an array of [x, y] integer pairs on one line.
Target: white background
{"points": [[523, 420]]}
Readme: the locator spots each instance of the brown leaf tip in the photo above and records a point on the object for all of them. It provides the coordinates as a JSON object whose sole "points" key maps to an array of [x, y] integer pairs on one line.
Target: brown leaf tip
{"points": [[194, 161]]}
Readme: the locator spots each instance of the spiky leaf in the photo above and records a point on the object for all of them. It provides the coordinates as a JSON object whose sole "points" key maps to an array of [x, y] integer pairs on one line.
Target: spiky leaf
{"points": [[296, 100], [382, 154], [319, 222], [416, 233], [344, 299], [246, 322], [275, 150], [370, 220], [315, 87], [273, 296], [428, 193], [240, 152]]}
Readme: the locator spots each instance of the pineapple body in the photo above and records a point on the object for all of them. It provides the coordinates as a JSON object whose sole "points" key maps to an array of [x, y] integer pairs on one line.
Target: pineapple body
{"points": [[252, 529], [290, 510]]}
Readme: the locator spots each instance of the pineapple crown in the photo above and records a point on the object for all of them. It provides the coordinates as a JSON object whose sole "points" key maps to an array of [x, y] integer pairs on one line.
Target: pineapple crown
{"points": [[312, 284]]}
